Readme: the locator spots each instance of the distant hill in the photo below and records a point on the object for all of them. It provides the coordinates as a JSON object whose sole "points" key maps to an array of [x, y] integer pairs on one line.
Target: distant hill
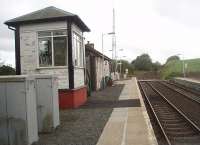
{"points": [[175, 68]]}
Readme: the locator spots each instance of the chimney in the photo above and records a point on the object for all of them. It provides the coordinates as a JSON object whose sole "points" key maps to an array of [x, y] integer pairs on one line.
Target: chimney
{"points": [[89, 45]]}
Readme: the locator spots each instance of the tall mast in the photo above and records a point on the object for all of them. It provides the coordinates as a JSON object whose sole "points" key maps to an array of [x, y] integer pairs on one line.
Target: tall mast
{"points": [[113, 37], [114, 51]]}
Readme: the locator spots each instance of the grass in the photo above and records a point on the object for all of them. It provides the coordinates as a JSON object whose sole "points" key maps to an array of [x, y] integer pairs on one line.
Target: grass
{"points": [[175, 68]]}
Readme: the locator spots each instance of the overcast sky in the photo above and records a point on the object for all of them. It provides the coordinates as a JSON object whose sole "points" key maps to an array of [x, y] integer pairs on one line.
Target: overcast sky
{"points": [[160, 28]]}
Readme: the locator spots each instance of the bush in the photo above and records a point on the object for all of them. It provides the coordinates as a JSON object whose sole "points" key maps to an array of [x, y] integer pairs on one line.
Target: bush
{"points": [[172, 58], [174, 68], [172, 75], [7, 70]]}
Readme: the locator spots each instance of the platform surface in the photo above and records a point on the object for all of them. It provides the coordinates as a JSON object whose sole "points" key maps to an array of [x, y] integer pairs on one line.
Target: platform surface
{"points": [[128, 125], [189, 80]]}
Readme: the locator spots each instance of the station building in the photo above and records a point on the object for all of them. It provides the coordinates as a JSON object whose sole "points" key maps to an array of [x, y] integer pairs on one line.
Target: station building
{"points": [[98, 67], [50, 41]]}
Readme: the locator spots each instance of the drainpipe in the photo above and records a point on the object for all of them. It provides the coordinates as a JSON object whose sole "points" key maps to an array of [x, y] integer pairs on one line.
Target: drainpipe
{"points": [[11, 28], [17, 48]]}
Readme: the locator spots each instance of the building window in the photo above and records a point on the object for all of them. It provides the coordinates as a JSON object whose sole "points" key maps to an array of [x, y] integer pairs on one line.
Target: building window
{"points": [[78, 50], [52, 48]]}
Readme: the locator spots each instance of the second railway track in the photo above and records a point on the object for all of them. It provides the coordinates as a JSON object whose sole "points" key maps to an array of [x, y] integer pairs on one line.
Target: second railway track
{"points": [[184, 102], [176, 127]]}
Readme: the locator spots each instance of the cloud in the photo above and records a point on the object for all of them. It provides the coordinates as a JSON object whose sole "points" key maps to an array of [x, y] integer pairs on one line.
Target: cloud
{"points": [[159, 27], [7, 57], [183, 11], [7, 44]]}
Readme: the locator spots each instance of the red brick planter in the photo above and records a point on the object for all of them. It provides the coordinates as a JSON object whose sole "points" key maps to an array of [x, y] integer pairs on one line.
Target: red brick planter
{"points": [[72, 98]]}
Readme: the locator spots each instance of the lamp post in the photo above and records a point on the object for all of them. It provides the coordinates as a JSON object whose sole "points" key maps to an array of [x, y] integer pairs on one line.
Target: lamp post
{"points": [[183, 67], [102, 43], [183, 64], [120, 67]]}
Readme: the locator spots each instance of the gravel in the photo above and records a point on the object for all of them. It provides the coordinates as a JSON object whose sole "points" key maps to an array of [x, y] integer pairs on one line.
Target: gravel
{"points": [[83, 126]]}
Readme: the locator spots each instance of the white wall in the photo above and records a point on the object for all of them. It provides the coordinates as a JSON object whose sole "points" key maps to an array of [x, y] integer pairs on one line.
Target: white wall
{"points": [[106, 68], [29, 51], [18, 101], [99, 70], [78, 77], [78, 71]]}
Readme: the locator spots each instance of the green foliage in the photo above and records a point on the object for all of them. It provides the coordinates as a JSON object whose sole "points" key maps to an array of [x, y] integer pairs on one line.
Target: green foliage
{"points": [[174, 68], [171, 58], [7, 70], [156, 66], [125, 65], [142, 62]]}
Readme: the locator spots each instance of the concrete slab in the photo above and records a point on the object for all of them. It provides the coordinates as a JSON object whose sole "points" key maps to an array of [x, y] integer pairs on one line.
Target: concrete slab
{"points": [[188, 82], [128, 125]]}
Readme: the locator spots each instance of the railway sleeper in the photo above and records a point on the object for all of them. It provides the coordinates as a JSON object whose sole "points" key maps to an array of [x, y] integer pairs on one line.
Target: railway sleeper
{"points": [[169, 116], [172, 121], [194, 140], [172, 125], [187, 133], [178, 129]]}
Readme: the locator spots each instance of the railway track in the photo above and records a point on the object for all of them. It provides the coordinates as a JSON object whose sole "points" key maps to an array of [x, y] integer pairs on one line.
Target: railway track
{"points": [[182, 100], [184, 88], [176, 127], [193, 94]]}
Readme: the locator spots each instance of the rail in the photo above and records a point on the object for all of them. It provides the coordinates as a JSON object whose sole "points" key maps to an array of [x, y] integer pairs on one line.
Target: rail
{"points": [[193, 126]]}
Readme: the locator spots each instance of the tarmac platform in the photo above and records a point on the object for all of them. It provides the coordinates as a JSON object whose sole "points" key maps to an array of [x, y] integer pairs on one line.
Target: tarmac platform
{"points": [[128, 125], [113, 116]]}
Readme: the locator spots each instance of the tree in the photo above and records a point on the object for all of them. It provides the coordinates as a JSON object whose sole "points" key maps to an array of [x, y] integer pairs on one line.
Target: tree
{"points": [[7, 70], [171, 58], [142, 62], [156, 66]]}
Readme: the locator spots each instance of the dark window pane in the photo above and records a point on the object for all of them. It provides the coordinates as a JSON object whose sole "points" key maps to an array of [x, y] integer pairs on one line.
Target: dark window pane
{"points": [[60, 51], [44, 33], [45, 53], [59, 32]]}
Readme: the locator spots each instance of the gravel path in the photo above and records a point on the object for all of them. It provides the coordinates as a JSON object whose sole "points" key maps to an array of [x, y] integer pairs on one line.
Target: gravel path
{"points": [[83, 126]]}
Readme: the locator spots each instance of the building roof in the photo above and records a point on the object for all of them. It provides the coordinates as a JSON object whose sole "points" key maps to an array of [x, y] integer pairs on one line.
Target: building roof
{"points": [[46, 15], [89, 47]]}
